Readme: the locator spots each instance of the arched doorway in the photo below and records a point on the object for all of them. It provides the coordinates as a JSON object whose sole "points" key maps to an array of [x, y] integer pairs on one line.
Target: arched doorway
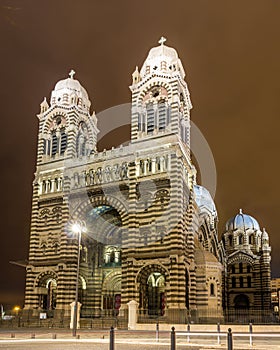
{"points": [[111, 293], [155, 294], [241, 302], [241, 307], [104, 227], [152, 290], [101, 252], [47, 293]]}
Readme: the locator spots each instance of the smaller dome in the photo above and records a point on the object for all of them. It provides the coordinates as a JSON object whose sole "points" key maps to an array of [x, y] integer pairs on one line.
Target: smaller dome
{"points": [[72, 85], [162, 59], [242, 221], [203, 198], [69, 91]]}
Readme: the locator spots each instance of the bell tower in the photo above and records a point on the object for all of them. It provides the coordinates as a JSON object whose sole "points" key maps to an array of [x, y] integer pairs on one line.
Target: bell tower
{"points": [[160, 97], [67, 132]]}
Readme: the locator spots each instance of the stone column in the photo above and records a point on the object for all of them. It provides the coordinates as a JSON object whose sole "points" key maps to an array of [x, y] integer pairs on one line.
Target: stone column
{"points": [[132, 314], [153, 165], [72, 314]]}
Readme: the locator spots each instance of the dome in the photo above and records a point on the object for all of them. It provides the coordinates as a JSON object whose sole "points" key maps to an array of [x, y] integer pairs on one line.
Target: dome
{"points": [[70, 91], [203, 198], [162, 59], [72, 85], [243, 222]]}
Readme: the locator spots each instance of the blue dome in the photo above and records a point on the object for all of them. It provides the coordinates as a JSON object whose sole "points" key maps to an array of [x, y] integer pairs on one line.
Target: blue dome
{"points": [[203, 198], [243, 222]]}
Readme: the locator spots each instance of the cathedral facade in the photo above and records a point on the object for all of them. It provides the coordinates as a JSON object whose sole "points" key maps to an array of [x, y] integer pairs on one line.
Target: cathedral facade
{"points": [[151, 230]]}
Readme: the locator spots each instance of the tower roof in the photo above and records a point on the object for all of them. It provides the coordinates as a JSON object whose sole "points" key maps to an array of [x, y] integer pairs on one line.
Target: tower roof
{"points": [[73, 89], [242, 221], [71, 84], [162, 59]]}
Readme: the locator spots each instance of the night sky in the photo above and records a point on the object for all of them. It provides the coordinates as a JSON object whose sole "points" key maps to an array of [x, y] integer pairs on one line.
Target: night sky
{"points": [[230, 52]]}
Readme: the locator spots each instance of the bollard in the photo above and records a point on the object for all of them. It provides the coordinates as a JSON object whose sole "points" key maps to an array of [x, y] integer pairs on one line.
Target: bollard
{"points": [[188, 330], [157, 332], [229, 340], [33, 336], [173, 339], [54, 336], [112, 339], [251, 333], [78, 336], [13, 335], [218, 331]]}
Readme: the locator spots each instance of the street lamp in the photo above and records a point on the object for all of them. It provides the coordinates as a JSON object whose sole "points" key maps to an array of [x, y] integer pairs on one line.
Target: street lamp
{"points": [[16, 310], [78, 227]]}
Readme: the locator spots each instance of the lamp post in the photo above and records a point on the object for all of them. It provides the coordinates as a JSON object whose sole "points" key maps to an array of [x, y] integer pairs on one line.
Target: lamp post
{"points": [[16, 310], [78, 227]]}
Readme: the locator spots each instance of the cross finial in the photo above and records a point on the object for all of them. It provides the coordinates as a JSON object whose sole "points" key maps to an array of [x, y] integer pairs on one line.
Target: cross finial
{"points": [[72, 73], [162, 40]]}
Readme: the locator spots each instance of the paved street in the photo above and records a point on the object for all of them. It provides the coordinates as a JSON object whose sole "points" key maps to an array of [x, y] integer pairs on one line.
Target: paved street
{"points": [[80, 346], [124, 340]]}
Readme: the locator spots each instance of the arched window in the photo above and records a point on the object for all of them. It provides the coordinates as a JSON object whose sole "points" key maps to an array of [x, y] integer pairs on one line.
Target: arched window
{"points": [[251, 239], [63, 142], [82, 146], [47, 147], [240, 267], [140, 122], [156, 113], [233, 282], [241, 282], [162, 115], [158, 163], [240, 239], [230, 240], [150, 118], [232, 269], [212, 289], [149, 165], [54, 143], [142, 166]]}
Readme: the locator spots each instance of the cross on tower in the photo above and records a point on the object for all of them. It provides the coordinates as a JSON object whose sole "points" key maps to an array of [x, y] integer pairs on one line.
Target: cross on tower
{"points": [[162, 40], [72, 73]]}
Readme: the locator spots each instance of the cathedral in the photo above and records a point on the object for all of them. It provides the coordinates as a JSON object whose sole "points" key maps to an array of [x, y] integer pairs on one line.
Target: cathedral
{"points": [[151, 232]]}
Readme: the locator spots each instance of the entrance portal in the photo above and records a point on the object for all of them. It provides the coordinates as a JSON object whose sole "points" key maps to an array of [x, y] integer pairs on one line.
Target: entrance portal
{"points": [[152, 291]]}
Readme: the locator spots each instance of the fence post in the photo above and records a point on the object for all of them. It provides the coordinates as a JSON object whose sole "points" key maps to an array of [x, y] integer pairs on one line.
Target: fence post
{"points": [[157, 332], [219, 331], [173, 339], [251, 333], [229, 340], [188, 330], [112, 339]]}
